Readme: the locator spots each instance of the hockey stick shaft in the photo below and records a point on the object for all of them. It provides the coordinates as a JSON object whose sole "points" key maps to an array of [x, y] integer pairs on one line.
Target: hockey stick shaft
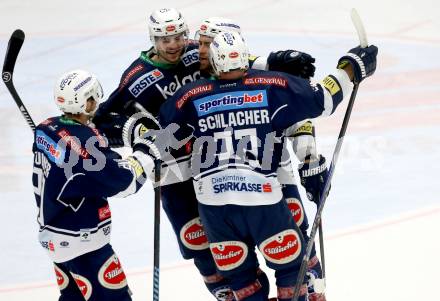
{"points": [[321, 249], [14, 46], [363, 42], [156, 262]]}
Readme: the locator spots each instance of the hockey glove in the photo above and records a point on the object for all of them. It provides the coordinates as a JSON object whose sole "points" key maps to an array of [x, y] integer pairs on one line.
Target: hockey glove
{"points": [[313, 176], [139, 125], [362, 60], [147, 147], [111, 125], [292, 62]]}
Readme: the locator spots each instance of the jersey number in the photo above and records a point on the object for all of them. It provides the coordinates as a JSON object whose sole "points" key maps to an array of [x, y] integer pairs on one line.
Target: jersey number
{"points": [[244, 137]]}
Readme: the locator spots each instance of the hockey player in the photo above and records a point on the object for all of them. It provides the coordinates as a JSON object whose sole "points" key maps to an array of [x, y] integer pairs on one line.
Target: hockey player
{"points": [[289, 61], [149, 81], [238, 121], [301, 135], [74, 173]]}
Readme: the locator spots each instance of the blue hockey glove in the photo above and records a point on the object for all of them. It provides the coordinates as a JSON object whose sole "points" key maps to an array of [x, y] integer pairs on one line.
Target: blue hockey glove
{"points": [[362, 60], [313, 176], [292, 62]]}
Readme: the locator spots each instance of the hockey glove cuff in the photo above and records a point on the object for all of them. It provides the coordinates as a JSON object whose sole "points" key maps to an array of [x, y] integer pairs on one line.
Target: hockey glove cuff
{"points": [[139, 125], [362, 60], [313, 176]]}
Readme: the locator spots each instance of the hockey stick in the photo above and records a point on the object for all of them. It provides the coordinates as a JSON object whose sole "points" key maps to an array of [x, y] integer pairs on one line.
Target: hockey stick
{"points": [[321, 245], [156, 262], [364, 43], [141, 113], [14, 46]]}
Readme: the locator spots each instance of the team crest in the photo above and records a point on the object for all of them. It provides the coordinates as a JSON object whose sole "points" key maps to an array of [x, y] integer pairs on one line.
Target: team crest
{"points": [[223, 293]]}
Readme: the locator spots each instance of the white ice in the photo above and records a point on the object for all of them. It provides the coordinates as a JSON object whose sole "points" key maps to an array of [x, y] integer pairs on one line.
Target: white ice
{"points": [[381, 217]]}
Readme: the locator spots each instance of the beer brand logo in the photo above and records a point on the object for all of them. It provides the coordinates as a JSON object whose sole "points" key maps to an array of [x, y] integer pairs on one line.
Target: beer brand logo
{"points": [[282, 248], [193, 235], [111, 275], [84, 285], [228, 254], [62, 279], [296, 209]]}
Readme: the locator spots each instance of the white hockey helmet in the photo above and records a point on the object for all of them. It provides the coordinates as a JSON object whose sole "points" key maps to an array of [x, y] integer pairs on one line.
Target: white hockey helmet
{"points": [[212, 26], [227, 52], [166, 22], [74, 88]]}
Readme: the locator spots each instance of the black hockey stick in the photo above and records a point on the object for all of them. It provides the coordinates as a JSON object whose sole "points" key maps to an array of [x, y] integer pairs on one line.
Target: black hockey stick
{"points": [[363, 42], [157, 176], [156, 262], [14, 46]]}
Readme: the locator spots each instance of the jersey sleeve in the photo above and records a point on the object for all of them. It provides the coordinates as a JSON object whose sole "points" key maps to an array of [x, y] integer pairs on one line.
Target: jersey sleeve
{"points": [[298, 99], [115, 102], [302, 136], [121, 95], [108, 176], [258, 62]]}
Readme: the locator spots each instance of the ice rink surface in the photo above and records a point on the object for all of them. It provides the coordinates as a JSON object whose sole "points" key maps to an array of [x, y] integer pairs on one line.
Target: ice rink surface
{"points": [[381, 218]]}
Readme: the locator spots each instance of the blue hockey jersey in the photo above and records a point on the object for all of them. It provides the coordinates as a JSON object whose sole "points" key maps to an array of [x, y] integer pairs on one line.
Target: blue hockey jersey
{"points": [[150, 83], [239, 129], [74, 173]]}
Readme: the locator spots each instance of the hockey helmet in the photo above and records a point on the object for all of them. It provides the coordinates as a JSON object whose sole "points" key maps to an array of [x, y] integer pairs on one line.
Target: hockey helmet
{"points": [[212, 26], [227, 52], [74, 88], [166, 22]]}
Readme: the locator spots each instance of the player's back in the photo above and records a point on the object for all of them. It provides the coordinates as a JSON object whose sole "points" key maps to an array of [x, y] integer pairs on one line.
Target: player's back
{"points": [[61, 148], [242, 148], [70, 205]]}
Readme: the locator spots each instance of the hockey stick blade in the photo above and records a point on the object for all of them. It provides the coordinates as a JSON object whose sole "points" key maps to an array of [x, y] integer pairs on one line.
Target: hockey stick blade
{"points": [[14, 46], [357, 22], [156, 261]]}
